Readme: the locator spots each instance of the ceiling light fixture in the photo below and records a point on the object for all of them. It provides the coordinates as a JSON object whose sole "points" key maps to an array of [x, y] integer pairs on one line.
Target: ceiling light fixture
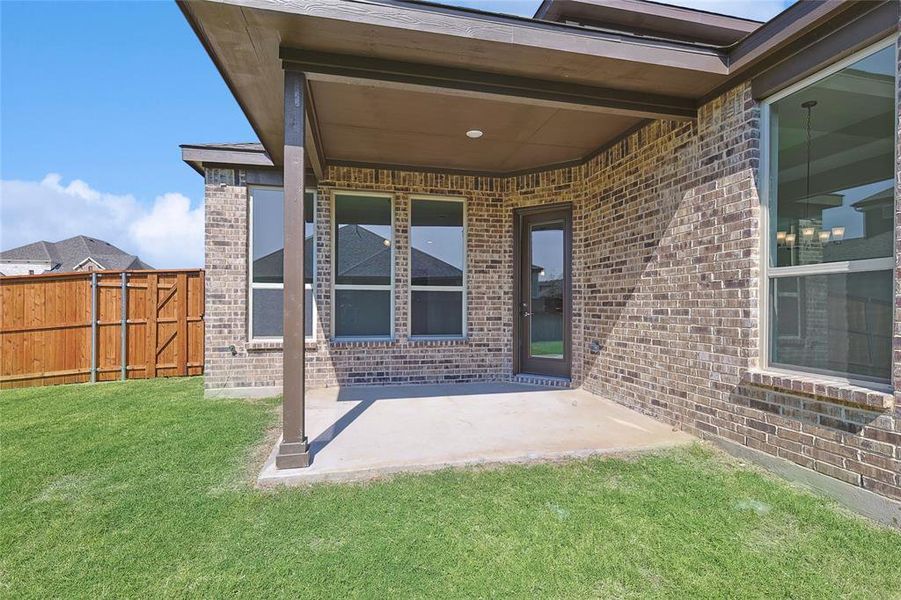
{"points": [[474, 134]]}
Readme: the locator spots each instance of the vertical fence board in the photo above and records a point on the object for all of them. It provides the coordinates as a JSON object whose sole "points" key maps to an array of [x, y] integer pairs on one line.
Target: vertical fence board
{"points": [[152, 335], [45, 326], [182, 323]]}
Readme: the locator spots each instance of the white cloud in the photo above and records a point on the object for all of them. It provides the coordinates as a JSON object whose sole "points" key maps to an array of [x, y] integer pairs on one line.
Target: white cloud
{"points": [[172, 231], [166, 234]]}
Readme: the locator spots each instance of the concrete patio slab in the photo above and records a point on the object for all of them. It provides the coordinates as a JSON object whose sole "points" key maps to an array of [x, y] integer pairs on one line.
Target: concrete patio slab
{"points": [[361, 433]]}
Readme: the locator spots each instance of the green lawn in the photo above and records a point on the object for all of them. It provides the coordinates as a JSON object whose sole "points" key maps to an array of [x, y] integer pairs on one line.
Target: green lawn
{"points": [[547, 348], [141, 490]]}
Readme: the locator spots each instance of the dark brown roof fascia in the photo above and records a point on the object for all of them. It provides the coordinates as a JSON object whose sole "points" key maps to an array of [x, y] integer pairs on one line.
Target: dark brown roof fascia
{"points": [[814, 52], [652, 19], [199, 156], [537, 22], [790, 32], [365, 68], [554, 9], [798, 19]]}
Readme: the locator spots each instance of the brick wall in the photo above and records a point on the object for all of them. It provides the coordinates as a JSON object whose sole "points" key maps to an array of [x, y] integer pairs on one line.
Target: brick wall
{"points": [[665, 279], [671, 295], [485, 354], [672, 264]]}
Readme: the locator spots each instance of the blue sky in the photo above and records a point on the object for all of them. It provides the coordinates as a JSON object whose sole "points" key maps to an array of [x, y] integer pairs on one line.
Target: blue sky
{"points": [[95, 98]]}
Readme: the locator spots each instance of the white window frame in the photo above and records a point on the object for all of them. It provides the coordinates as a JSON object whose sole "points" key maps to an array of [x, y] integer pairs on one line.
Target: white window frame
{"points": [[275, 286], [769, 272], [440, 288], [333, 235]]}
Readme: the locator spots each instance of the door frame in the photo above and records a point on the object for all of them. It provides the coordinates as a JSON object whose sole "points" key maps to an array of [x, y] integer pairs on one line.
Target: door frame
{"points": [[519, 215]]}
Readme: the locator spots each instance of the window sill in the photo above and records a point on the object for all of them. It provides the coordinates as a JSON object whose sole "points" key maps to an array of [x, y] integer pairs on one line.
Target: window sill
{"points": [[275, 345], [362, 342], [826, 389]]}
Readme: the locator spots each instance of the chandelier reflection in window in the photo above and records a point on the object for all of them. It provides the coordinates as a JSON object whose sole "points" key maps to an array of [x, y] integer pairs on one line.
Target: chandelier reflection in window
{"points": [[809, 232]]}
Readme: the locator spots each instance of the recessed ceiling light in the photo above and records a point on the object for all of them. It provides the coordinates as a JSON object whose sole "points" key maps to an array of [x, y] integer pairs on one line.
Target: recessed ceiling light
{"points": [[474, 134]]}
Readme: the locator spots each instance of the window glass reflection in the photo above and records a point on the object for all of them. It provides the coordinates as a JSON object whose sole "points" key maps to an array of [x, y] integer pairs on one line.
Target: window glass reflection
{"points": [[833, 151], [547, 288]]}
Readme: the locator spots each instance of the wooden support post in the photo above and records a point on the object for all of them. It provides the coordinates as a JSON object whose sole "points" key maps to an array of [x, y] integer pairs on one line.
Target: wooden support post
{"points": [[123, 337], [293, 450], [152, 299]]}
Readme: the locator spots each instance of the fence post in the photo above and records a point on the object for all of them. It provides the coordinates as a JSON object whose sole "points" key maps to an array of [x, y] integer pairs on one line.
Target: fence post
{"points": [[93, 326], [152, 299], [124, 350]]}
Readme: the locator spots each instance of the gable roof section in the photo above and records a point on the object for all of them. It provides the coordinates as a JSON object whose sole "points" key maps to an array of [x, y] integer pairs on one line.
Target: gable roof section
{"points": [[37, 252]]}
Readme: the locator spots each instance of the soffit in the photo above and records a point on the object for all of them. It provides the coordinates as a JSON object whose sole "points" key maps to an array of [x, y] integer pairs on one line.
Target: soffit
{"points": [[371, 124]]}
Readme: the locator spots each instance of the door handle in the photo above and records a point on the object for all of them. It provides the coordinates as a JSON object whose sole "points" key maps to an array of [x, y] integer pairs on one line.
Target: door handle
{"points": [[526, 314]]}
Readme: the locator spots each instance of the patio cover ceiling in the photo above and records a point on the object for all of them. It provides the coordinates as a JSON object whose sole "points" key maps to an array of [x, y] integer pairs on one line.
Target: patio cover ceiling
{"points": [[399, 83]]}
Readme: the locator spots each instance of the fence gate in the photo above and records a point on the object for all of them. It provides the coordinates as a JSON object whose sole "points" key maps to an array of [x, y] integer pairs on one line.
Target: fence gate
{"points": [[78, 327]]}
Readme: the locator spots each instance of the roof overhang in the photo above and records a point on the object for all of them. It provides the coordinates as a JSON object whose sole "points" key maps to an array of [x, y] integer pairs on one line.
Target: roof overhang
{"points": [[397, 83], [199, 156], [650, 19], [520, 71]]}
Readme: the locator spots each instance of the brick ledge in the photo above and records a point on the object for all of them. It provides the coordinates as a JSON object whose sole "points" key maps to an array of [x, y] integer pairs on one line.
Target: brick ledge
{"points": [[262, 346], [828, 390], [448, 341]]}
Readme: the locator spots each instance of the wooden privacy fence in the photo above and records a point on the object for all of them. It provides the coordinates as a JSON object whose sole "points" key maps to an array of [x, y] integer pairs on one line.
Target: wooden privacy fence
{"points": [[77, 327]]}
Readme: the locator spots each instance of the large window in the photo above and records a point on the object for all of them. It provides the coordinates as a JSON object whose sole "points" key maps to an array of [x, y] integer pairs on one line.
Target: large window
{"points": [[437, 267], [363, 265], [267, 244], [830, 214]]}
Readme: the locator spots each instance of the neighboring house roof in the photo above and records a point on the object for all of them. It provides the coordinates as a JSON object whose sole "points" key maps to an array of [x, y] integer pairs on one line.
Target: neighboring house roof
{"points": [[552, 288], [426, 266], [873, 246], [364, 252], [269, 268], [35, 252], [70, 254], [363, 255]]}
